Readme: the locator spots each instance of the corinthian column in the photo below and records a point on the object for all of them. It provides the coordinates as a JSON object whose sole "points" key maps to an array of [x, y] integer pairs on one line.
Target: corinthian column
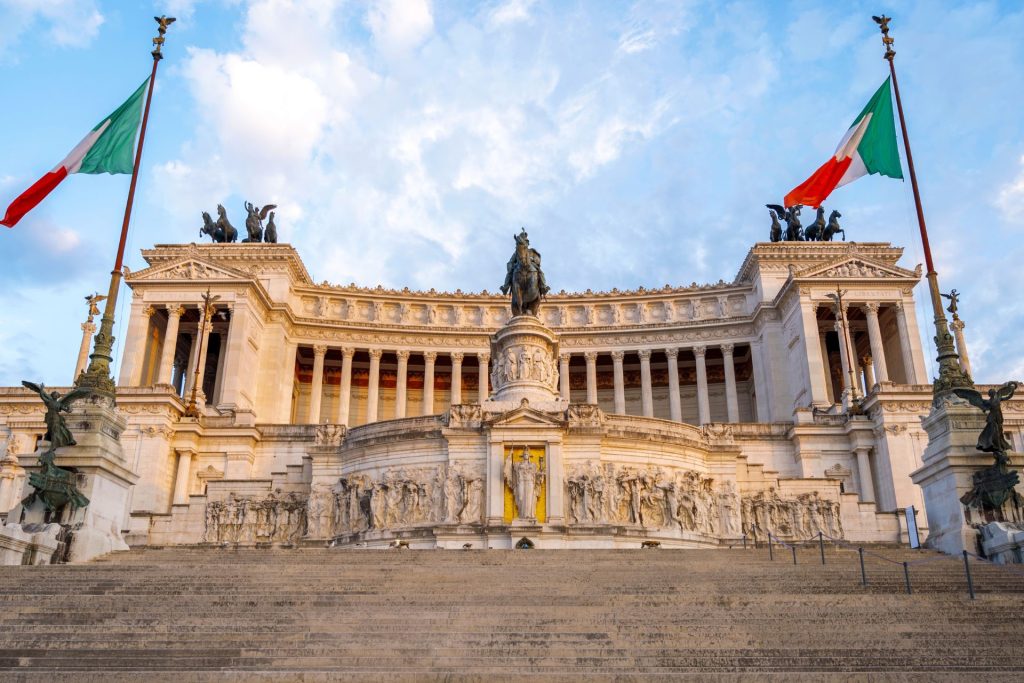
{"points": [[563, 375], [401, 383], [675, 407], [906, 350], [961, 344], [345, 388], [875, 339], [484, 360], [428, 382], [199, 368], [703, 406], [646, 397], [88, 328], [456, 392], [317, 388], [731, 402], [182, 479], [591, 358], [373, 388], [619, 381], [170, 344], [135, 345]]}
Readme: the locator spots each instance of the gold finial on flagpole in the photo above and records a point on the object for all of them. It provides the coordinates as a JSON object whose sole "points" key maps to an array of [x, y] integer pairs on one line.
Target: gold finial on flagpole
{"points": [[162, 23]]}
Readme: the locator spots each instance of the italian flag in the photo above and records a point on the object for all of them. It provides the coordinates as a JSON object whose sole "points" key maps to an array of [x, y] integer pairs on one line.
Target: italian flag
{"points": [[108, 148], [868, 147]]}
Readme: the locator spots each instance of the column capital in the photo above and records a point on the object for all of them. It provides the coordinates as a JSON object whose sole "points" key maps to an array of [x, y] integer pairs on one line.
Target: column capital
{"points": [[700, 350], [347, 351], [645, 354], [617, 356], [319, 349], [672, 352], [88, 327], [564, 357], [870, 308], [457, 356], [483, 356], [590, 356], [402, 354], [430, 356], [727, 349], [375, 354], [957, 324], [175, 311], [866, 361], [148, 311]]}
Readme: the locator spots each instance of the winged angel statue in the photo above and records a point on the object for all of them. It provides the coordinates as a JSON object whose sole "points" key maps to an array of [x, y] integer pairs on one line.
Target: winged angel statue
{"points": [[57, 432], [992, 439]]}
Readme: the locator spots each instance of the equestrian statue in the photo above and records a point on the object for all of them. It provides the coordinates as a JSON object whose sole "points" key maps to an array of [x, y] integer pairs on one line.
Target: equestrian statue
{"points": [[524, 278]]}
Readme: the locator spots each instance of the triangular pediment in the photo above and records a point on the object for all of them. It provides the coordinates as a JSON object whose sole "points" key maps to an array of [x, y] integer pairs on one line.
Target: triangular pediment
{"points": [[188, 269], [856, 268], [525, 416]]}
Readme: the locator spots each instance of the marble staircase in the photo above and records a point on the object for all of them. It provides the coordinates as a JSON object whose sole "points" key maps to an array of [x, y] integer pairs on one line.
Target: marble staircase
{"points": [[316, 614]]}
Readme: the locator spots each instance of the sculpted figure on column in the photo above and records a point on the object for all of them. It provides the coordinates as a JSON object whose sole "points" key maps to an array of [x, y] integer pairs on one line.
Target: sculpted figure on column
{"points": [[524, 278]]}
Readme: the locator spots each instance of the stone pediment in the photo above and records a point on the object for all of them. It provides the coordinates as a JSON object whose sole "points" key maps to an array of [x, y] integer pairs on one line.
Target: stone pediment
{"points": [[189, 269], [856, 267], [525, 416]]}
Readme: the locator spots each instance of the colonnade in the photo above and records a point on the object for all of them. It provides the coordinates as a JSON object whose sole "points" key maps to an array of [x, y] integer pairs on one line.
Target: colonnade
{"points": [[340, 408]]}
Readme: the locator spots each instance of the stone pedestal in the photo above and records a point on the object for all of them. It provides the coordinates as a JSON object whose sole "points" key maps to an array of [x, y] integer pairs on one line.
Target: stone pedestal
{"points": [[524, 366], [949, 463], [1003, 542], [103, 476]]}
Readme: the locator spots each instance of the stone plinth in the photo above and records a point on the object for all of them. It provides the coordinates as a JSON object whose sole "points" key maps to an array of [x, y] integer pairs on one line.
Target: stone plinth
{"points": [[949, 463], [524, 365], [103, 476]]}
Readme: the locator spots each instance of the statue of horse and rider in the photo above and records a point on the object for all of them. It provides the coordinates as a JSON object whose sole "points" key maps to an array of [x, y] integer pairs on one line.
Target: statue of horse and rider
{"points": [[222, 231], [524, 278], [818, 231]]}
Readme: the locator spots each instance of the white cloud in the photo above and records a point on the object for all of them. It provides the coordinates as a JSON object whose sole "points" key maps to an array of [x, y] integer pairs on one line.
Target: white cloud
{"points": [[1010, 200], [399, 25], [67, 23], [510, 12]]}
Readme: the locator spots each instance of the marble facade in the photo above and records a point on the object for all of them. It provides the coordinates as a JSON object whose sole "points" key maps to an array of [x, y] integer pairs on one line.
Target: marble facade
{"points": [[355, 416]]}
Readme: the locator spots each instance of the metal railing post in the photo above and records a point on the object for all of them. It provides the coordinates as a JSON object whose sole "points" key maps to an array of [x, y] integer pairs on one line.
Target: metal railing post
{"points": [[744, 541], [821, 546], [906, 576], [863, 574], [967, 570], [771, 555], [794, 553]]}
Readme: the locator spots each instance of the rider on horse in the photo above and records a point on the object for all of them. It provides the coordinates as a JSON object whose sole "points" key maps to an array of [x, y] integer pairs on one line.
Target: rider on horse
{"points": [[523, 240]]}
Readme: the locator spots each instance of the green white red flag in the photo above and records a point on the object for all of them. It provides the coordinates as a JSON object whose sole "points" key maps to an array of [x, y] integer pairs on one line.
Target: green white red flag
{"points": [[868, 147], [108, 148]]}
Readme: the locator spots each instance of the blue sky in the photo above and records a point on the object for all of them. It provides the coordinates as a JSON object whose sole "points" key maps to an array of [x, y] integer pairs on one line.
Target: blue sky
{"points": [[406, 141]]}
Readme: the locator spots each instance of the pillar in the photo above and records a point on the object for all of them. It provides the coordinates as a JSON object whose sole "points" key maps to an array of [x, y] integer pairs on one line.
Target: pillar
{"points": [[761, 381], [646, 397], [401, 383], [181, 481], [675, 408], [961, 344], [200, 359], [456, 393], [317, 390], [619, 381], [868, 364], [703, 406], [844, 357], [236, 378], [345, 387], [429, 358], [373, 390], [827, 366], [906, 349], [731, 402], [170, 344], [556, 486], [484, 360], [867, 487], [875, 339], [563, 375], [812, 351], [591, 358], [222, 352], [135, 344], [88, 329]]}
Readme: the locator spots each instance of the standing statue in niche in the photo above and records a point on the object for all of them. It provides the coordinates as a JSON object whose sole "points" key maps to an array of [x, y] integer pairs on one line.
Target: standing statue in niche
{"points": [[524, 278], [525, 479]]}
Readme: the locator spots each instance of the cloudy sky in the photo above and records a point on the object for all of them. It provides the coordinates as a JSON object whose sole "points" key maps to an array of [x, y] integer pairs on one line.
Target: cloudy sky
{"points": [[407, 140]]}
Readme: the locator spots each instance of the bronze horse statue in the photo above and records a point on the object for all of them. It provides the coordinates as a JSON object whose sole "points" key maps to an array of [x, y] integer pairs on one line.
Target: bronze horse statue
{"points": [[524, 278], [220, 230], [833, 227], [814, 231]]}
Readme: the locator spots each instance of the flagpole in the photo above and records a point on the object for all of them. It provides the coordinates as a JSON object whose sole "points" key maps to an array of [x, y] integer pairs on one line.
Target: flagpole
{"points": [[951, 375], [97, 376]]}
